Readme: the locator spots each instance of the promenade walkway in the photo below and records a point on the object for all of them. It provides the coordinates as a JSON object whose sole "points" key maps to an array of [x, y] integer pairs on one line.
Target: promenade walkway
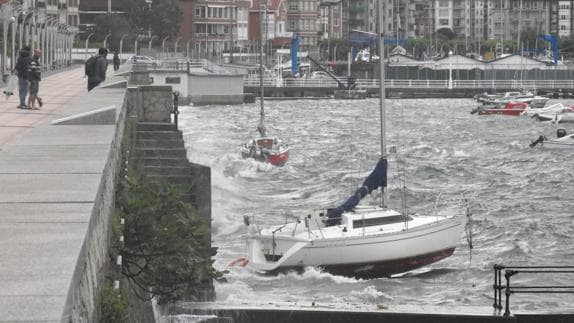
{"points": [[49, 178]]}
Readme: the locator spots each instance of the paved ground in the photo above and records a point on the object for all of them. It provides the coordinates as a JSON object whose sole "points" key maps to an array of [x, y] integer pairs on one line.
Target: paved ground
{"points": [[49, 176]]}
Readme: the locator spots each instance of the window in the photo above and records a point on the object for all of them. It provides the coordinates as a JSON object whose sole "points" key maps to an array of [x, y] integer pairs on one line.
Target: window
{"points": [[200, 12], [443, 22], [172, 80]]}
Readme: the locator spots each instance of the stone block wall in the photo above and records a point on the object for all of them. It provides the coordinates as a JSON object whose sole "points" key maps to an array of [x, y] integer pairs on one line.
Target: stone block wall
{"points": [[83, 300]]}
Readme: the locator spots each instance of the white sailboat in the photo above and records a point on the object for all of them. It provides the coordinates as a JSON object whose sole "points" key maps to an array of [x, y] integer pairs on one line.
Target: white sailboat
{"points": [[357, 241]]}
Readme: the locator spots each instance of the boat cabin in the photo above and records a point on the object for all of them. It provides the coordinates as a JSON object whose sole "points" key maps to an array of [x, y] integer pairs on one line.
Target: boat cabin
{"points": [[364, 218]]}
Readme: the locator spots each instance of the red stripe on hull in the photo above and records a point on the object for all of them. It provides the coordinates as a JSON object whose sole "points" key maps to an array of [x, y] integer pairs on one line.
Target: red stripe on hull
{"points": [[501, 112], [383, 268], [276, 160]]}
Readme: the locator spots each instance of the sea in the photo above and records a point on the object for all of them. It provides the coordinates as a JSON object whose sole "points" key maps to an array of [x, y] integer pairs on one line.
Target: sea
{"points": [[521, 199]]}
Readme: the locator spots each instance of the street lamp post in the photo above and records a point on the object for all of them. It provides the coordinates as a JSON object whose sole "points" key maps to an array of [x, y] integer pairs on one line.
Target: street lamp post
{"points": [[175, 46], [150, 42], [163, 46], [106, 40], [136, 45], [187, 48], [24, 18], [122, 44], [87, 43]]}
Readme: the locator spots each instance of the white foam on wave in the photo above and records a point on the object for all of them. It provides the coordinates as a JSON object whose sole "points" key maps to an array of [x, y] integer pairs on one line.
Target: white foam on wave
{"points": [[370, 294]]}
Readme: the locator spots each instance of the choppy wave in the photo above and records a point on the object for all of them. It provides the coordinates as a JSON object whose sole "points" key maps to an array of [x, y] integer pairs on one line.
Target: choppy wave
{"points": [[523, 198]]}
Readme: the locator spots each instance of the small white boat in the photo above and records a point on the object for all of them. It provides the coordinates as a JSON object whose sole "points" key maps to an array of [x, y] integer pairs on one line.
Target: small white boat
{"points": [[535, 101], [562, 140], [551, 109], [557, 115]]}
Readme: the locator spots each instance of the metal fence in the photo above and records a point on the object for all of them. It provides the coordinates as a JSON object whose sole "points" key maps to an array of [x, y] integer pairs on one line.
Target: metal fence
{"points": [[415, 84], [510, 271]]}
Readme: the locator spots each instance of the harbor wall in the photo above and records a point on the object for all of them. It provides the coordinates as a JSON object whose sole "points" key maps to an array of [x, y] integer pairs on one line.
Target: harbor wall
{"points": [[83, 302]]}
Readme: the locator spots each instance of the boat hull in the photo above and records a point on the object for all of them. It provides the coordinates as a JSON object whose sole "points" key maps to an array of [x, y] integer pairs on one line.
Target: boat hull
{"points": [[386, 268], [268, 150]]}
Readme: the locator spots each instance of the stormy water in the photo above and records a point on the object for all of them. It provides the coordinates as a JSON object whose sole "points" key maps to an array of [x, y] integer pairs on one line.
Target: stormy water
{"points": [[521, 198]]}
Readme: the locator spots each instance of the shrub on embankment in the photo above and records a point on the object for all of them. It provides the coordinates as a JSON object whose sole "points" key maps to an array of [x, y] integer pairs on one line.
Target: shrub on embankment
{"points": [[166, 251]]}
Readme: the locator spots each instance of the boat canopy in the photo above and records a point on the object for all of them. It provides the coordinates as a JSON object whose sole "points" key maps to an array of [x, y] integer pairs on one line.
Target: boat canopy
{"points": [[377, 178]]}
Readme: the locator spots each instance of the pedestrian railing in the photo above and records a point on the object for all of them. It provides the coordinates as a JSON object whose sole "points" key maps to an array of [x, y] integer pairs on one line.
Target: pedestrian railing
{"points": [[517, 288]]}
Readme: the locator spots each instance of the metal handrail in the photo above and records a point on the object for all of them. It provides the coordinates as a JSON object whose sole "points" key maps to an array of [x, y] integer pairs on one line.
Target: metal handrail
{"points": [[537, 289], [175, 109]]}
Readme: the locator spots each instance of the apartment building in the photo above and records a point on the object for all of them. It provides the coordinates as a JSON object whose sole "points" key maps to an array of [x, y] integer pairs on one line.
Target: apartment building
{"points": [[565, 18]]}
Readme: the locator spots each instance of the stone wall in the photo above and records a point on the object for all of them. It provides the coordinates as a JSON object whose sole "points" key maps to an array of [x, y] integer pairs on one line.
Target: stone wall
{"points": [[83, 300]]}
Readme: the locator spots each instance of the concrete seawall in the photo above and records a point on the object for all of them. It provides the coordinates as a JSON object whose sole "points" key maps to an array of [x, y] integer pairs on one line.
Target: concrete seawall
{"points": [[58, 169]]}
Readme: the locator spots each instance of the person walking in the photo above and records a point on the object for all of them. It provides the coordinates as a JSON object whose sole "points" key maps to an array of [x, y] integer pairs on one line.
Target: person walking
{"points": [[35, 76], [21, 68], [96, 68], [116, 61]]}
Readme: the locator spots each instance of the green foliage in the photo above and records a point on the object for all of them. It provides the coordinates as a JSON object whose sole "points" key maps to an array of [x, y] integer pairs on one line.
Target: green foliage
{"points": [[163, 17], [167, 250], [167, 17], [116, 25], [114, 306]]}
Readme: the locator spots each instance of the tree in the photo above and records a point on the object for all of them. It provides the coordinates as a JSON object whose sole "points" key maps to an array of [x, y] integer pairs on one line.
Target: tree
{"points": [[115, 25], [167, 251], [166, 18]]}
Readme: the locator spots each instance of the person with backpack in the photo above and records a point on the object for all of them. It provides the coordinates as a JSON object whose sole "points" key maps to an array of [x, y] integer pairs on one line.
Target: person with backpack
{"points": [[96, 67], [34, 77], [21, 68]]}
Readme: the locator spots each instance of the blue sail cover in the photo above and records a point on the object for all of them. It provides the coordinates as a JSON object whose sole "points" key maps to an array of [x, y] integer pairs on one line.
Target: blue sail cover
{"points": [[554, 42], [294, 55], [377, 178]]}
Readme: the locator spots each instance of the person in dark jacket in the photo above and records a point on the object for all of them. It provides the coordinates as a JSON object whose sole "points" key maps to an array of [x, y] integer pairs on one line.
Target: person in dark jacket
{"points": [[101, 66], [34, 77], [21, 68], [116, 61]]}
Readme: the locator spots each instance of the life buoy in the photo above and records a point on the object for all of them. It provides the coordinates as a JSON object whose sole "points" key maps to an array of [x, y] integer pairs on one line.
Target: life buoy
{"points": [[241, 261]]}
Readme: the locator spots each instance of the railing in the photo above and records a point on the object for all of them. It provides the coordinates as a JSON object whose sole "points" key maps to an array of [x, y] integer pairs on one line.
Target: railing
{"points": [[175, 109], [415, 84], [510, 271]]}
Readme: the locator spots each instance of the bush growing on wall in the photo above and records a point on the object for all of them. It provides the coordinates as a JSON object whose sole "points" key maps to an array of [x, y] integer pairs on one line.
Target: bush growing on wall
{"points": [[167, 250]]}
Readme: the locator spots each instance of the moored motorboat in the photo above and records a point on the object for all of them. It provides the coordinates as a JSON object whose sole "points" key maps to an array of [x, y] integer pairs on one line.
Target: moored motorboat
{"points": [[535, 101], [562, 140], [551, 110], [510, 109], [556, 115]]}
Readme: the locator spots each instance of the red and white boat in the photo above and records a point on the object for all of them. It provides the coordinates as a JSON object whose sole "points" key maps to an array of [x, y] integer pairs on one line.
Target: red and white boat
{"points": [[266, 149], [510, 109]]}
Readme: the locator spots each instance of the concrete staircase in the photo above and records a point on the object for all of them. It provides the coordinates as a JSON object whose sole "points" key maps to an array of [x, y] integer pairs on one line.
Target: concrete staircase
{"points": [[161, 155]]}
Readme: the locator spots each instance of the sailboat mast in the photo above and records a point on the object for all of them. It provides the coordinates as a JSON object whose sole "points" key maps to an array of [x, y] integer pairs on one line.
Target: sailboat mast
{"points": [[261, 126], [382, 94]]}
